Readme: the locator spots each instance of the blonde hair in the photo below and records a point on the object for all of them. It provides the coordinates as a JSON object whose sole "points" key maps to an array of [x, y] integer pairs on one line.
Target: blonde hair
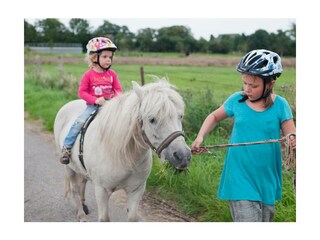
{"points": [[91, 59], [268, 82], [269, 87]]}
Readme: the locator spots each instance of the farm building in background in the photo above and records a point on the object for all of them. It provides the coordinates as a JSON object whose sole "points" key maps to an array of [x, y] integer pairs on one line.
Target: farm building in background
{"points": [[55, 48]]}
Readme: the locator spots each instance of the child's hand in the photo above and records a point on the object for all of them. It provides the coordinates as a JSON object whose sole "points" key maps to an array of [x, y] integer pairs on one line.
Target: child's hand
{"points": [[292, 140], [100, 101], [196, 144]]}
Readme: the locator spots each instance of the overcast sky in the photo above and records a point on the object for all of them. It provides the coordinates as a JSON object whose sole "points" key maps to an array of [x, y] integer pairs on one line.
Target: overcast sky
{"points": [[200, 27]]}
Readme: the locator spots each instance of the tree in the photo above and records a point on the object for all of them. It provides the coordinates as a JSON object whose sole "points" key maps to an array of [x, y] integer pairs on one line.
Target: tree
{"points": [[225, 43], [81, 31], [241, 43], [202, 45], [145, 40], [79, 26], [120, 35], [125, 39], [292, 34], [280, 42], [175, 39], [30, 33], [52, 30], [107, 29], [212, 44], [259, 39]]}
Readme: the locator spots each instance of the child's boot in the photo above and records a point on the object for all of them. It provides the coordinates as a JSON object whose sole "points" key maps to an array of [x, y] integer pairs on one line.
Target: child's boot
{"points": [[66, 153]]}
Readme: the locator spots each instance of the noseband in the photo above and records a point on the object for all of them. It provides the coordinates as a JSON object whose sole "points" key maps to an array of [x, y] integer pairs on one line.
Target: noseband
{"points": [[165, 142]]}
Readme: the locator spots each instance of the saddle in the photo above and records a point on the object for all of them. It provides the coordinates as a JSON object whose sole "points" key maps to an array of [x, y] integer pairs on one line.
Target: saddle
{"points": [[83, 132]]}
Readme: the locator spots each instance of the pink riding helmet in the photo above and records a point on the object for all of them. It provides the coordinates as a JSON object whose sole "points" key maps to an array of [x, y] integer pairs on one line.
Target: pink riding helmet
{"points": [[98, 44]]}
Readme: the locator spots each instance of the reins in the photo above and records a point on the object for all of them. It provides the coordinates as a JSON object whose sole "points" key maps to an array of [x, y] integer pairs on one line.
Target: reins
{"points": [[82, 134], [290, 158]]}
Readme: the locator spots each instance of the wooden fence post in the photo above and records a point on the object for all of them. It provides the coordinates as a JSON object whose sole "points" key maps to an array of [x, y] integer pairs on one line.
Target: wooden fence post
{"points": [[38, 67], [142, 76], [60, 68]]}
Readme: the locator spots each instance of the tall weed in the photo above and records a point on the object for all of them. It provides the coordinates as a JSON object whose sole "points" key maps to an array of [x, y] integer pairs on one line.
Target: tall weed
{"points": [[199, 104]]}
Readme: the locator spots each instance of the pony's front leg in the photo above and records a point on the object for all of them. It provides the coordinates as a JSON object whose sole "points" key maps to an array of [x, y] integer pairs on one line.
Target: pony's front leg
{"points": [[134, 198], [102, 197]]}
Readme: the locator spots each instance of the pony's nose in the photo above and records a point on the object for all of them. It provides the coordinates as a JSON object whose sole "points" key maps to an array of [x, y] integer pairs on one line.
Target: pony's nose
{"points": [[177, 156], [182, 159]]}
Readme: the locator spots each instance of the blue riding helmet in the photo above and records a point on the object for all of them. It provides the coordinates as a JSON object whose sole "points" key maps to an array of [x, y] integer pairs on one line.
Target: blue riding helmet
{"points": [[262, 63]]}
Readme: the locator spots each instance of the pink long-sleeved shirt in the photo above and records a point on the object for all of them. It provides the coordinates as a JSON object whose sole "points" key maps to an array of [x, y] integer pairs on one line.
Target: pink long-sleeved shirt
{"points": [[95, 84]]}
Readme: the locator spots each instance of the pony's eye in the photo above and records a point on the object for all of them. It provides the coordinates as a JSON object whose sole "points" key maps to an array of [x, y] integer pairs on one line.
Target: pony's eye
{"points": [[152, 120]]}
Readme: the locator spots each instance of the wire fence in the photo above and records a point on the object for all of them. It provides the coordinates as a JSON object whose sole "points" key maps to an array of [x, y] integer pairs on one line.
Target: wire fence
{"points": [[55, 48]]}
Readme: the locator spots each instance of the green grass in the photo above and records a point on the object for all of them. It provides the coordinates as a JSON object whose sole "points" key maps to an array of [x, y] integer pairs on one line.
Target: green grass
{"points": [[222, 81], [43, 103], [203, 89]]}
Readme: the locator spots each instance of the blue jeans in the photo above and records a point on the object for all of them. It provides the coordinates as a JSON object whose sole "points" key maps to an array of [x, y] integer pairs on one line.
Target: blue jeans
{"points": [[251, 211], [77, 125]]}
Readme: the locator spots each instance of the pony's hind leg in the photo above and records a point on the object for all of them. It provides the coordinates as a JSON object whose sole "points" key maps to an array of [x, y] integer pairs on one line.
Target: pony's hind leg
{"points": [[82, 183], [102, 197], [73, 178]]}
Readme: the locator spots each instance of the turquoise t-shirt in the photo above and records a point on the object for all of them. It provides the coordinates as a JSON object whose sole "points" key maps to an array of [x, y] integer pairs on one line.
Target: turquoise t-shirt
{"points": [[254, 172]]}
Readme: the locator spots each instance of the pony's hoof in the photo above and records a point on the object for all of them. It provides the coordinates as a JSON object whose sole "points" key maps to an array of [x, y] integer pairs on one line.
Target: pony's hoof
{"points": [[82, 217], [85, 209]]}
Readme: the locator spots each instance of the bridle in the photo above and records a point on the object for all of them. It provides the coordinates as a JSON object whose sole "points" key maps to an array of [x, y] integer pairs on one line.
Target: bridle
{"points": [[165, 143]]}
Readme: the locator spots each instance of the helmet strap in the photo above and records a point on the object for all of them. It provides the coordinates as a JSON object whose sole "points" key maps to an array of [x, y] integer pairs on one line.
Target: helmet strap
{"points": [[98, 62], [264, 94]]}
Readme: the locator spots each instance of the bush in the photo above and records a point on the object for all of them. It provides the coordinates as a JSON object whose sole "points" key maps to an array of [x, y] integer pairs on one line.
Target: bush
{"points": [[199, 106]]}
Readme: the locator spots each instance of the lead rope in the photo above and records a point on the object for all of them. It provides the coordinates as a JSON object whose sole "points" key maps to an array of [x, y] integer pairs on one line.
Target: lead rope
{"points": [[289, 156]]}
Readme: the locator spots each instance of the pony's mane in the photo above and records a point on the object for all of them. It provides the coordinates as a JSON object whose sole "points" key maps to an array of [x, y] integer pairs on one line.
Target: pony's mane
{"points": [[121, 117], [161, 100]]}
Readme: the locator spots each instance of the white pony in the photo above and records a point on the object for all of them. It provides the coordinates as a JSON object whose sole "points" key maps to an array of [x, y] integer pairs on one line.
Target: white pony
{"points": [[117, 145]]}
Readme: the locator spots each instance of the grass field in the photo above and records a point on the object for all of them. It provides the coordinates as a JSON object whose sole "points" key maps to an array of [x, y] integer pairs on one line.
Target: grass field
{"points": [[48, 87]]}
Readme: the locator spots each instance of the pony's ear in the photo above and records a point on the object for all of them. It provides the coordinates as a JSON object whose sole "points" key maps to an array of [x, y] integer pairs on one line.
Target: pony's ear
{"points": [[138, 90]]}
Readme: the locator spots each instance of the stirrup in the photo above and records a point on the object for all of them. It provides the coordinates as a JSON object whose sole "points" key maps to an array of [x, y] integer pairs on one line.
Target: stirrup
{"points": [[65, 159]]}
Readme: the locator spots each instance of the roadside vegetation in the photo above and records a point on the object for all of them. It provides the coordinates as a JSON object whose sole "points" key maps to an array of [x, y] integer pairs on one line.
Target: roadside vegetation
{"points": [[47, 87]]}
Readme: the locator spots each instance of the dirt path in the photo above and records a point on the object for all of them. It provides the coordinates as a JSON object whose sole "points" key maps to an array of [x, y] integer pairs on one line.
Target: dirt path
{"points": [[44, 188]]}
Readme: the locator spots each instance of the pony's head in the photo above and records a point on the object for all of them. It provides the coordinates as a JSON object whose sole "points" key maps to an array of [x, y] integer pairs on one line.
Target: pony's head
{"points": [[161, 110]]}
